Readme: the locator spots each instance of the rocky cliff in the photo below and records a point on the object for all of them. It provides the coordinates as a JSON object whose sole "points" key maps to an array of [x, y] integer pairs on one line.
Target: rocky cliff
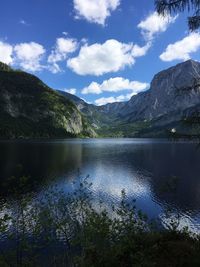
{"points": [[174, 95], [29, 108], [172, 91]]}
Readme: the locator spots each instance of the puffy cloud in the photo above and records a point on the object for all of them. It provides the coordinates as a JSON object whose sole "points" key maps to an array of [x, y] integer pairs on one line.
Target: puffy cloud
{"points": [[182, 49], [111, 56], [93, 88], [70, 91], [105, 100], [112, 99], [6, 51], [115, 85], [95, 10], [139, 51], [155, 24], [29, 56], [63, 47]]}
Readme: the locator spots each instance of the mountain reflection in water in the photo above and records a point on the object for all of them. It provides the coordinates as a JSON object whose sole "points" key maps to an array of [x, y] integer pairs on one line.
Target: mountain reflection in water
{"points": [[143, 167]]}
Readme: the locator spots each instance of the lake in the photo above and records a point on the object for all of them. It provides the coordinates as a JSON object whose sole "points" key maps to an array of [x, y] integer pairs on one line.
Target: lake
{"points": [[159, 174]]}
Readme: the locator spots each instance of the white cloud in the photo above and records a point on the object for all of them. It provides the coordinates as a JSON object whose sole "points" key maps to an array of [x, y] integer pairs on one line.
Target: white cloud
{"points": [[6, 51], [182, 49], [70, 91], [23, 22], [95, 10], [139, 51], [111, 56], [155, 24], [29, 55], [105, 100], [121, 98], [63, 47], [115, 85]]}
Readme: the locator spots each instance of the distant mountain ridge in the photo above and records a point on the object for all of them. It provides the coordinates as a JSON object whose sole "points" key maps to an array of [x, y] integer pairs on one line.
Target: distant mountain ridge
{"points": [[174, 94], [30, 109]]}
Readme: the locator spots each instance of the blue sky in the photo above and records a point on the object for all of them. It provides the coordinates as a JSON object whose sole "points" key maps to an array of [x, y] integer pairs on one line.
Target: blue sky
{"points": [[101, 50]]}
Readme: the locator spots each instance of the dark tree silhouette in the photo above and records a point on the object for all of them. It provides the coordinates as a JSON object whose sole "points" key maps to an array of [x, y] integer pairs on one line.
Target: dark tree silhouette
{"points": [[164, 7]]}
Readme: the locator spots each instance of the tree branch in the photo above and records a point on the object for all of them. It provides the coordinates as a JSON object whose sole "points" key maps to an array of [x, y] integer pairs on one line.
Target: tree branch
{"points": [[165, 6]]}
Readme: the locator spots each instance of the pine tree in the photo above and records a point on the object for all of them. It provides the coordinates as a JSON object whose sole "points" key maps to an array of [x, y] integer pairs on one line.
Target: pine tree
{"points": [[164, 7]]}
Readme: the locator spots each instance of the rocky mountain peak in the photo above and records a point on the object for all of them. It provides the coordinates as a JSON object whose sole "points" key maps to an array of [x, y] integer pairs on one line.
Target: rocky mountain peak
{"points": [[182, 75], [173, 90], [173, 95]]}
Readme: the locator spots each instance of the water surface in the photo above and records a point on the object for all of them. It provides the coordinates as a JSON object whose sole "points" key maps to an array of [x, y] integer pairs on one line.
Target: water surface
{"points": [[143, 167]]}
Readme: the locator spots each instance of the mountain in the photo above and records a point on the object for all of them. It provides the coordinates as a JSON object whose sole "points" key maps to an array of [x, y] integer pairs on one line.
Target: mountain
{"points": [[97, 116], [174, 95], [30, 109], [172, 90]]}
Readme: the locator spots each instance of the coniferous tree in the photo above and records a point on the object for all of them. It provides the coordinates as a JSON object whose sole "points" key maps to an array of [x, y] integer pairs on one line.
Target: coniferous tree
{"points": [[164, 7]]}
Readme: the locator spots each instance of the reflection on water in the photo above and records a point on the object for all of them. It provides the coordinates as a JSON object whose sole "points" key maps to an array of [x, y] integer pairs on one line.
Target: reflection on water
{"points": [[142, 167]]}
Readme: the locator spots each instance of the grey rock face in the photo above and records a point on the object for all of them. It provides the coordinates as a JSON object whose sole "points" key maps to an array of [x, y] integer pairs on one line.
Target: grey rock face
{"points": [[173, 90], [174, 93]]}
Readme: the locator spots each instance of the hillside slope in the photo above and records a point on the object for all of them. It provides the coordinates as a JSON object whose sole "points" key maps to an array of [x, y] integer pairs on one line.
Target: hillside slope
{"points": [[30, 109]]}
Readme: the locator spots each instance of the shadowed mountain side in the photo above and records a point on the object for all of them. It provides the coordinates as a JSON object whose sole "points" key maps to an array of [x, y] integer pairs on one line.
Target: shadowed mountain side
{"points": [[30, 109]]}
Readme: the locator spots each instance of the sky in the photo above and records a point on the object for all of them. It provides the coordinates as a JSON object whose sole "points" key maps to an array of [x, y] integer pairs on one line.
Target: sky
{"points": [[103, 51]]}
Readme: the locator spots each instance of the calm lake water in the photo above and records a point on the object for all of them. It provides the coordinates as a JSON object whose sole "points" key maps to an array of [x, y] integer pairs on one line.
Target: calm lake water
{"points": [[145, 168]]}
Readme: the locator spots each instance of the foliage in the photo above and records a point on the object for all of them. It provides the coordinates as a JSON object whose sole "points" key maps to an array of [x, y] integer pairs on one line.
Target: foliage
{"points": [[65, 229], [189, 128], [174, 6], [30, 109]]}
